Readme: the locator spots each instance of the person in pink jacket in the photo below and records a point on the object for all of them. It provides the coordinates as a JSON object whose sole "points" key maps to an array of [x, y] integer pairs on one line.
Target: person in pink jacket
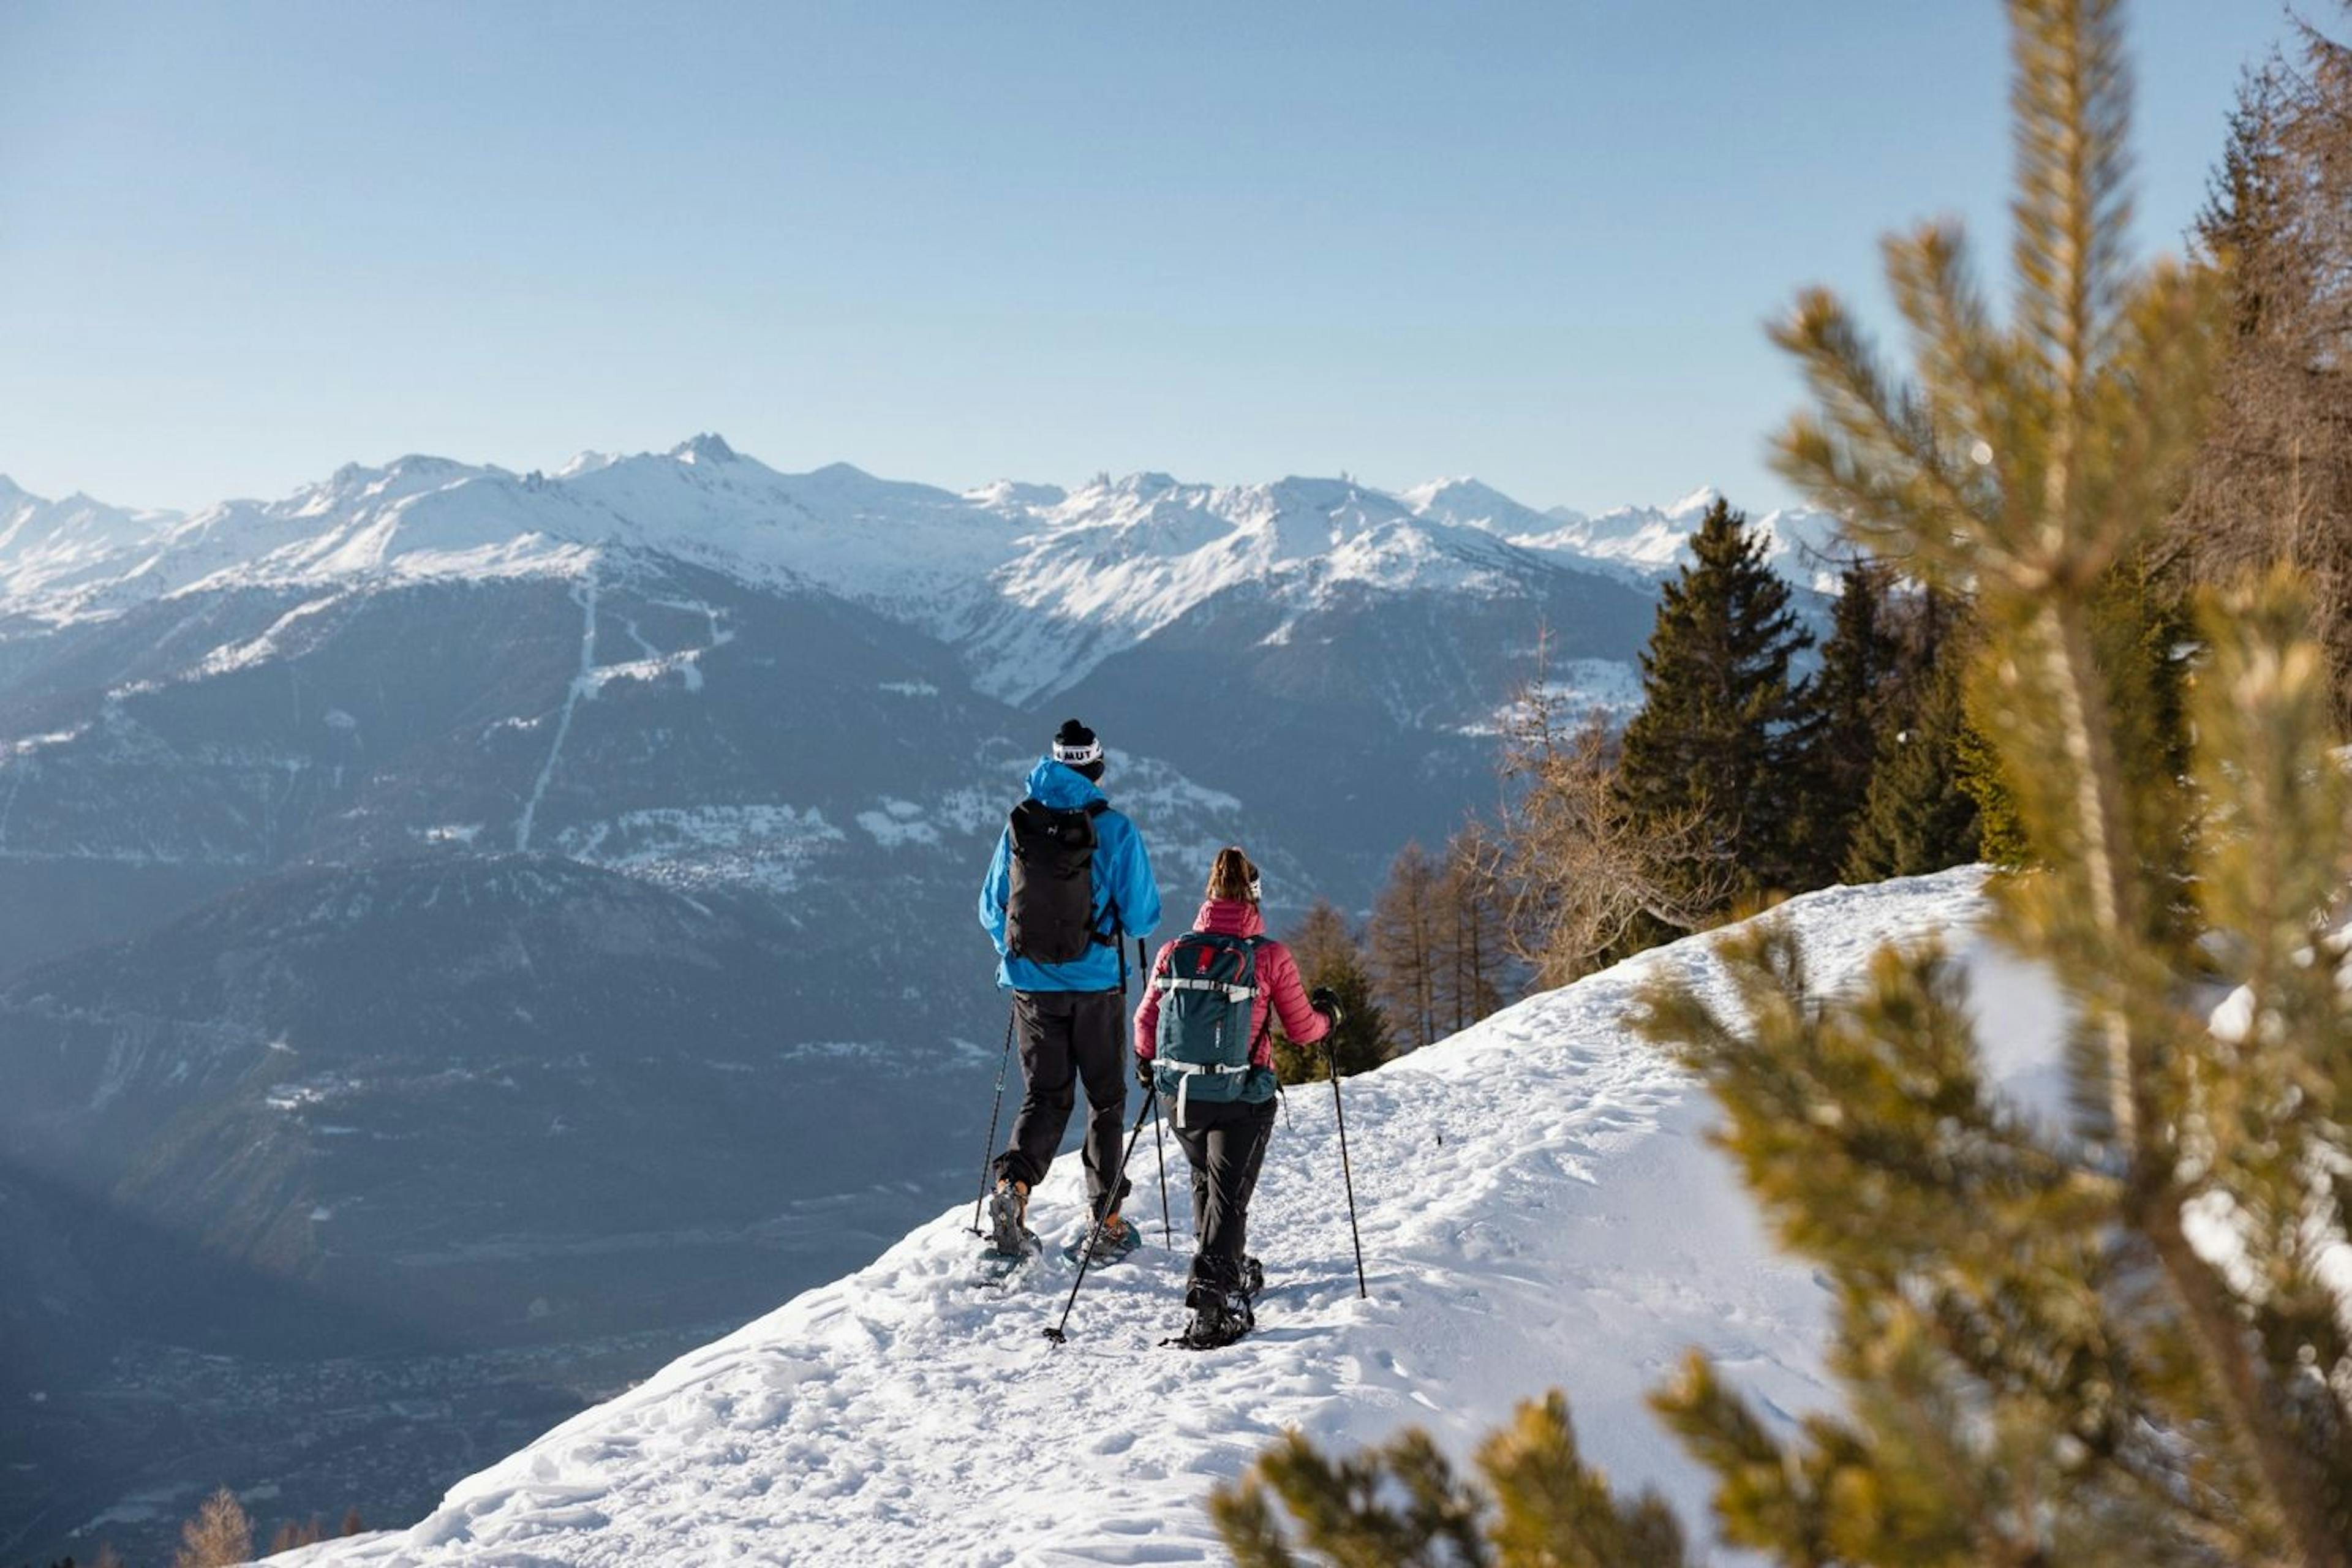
{"points": [[1203, 1042]]}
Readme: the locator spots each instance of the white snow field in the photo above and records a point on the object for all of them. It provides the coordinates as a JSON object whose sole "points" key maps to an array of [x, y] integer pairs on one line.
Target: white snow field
{"points": [[1539, 1209]]}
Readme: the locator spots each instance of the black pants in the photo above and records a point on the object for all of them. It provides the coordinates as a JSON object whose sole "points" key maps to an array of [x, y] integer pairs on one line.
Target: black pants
{"points": [[1067, 1036], [1226, 1144]]}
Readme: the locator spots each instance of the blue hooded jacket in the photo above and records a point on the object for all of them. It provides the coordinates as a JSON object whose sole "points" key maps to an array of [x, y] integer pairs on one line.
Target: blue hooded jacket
{"points": [[1122, 879]]}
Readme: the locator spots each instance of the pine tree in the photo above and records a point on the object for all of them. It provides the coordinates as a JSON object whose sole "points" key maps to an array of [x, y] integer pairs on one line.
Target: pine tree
{"points": [[2040, 1365], [2050, 1280], [1842, 712], [1716, 732], [1328, 953], [2137, 629], [218, 1537], [1545, 1509], [1981, 775], [1916, 817], [1404, 948]]}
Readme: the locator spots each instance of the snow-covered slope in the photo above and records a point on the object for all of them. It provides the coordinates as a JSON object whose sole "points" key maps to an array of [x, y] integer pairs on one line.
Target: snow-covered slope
{"points": [[1538, 1209]]}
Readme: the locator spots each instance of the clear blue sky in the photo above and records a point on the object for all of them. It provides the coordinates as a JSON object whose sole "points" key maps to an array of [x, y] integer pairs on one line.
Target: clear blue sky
{"points": [[241, 244]]}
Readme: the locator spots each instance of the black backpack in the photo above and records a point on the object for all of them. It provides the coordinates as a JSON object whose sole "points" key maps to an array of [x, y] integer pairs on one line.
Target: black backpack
{"points": [[1049, 912]]}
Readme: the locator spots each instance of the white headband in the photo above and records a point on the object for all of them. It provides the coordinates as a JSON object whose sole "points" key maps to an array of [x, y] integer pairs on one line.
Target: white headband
{"points": [[1078, 756]]}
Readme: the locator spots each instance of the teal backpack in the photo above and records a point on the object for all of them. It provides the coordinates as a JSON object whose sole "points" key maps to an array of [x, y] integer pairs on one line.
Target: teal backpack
{"points": [[1206, 997]]}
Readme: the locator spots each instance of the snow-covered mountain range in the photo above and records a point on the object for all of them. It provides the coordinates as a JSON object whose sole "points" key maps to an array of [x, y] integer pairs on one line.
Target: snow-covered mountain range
{"points": [[1539, 1209], [1035, 583]]}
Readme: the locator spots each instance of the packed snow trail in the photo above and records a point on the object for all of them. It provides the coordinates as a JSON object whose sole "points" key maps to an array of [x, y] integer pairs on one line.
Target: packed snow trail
{"points": [[1539, 1209]]}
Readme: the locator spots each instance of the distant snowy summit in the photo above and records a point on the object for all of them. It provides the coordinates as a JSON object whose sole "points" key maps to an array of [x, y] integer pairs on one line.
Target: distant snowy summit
{"points": [[1645, 540], [1040, 584]]}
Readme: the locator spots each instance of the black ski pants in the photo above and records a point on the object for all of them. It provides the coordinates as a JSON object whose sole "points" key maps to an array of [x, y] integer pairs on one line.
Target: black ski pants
{"points": [[1226, 1144], [1068, 1036]]}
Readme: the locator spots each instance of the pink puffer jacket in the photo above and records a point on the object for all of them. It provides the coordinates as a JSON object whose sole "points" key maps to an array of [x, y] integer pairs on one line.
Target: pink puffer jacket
{"points": [[1278, 985]]}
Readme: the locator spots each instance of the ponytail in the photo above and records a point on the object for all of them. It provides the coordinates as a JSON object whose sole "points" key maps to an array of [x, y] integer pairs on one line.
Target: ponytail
{"points": [[1232, 875]]}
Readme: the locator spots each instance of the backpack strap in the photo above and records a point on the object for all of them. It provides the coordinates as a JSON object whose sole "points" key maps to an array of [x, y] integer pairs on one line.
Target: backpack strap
{"points": [[1178, 982], [1257, 943], [1168, 979], [1101, 938]]}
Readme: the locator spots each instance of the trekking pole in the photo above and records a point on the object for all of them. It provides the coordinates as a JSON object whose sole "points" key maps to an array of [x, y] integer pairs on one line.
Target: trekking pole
{"points": [[1159, 1143], [1331, 1063], [987, 1151], [1101, 1212], [1167, 1225]]}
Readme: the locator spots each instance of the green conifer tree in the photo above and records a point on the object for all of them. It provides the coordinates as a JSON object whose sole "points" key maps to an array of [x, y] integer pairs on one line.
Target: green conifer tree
{"points": [[1546, 1509], [1716, 732], [1842, 710], [1917, 818], [2138, 631], [2042, 1362]]}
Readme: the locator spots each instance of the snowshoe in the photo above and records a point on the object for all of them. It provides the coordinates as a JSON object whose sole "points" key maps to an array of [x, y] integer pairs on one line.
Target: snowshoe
{"points": [[1106, 1243], [997, 1266], [1008, 1208], [1219, 1318]]}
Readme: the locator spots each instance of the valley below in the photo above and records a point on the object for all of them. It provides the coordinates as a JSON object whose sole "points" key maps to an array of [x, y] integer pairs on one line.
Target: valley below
{"points": [[314, 1408], [112, 1460]]}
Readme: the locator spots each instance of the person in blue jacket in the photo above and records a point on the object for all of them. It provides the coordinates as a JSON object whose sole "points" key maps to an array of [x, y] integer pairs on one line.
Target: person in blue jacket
{"points": [[1071, 1018]]}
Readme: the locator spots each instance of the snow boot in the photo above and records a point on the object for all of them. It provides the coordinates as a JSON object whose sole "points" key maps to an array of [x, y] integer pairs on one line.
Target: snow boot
{"points": [[1002, 1269], [1105, 1243], [1008, 1212], [1219, 1318], [1253, 1278]]}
